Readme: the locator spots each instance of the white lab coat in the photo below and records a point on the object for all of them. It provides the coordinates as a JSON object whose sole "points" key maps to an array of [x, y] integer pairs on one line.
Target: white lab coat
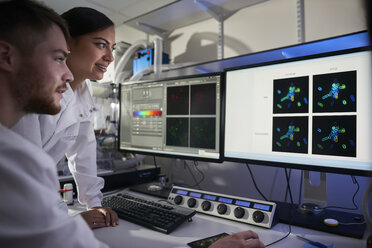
{"points": [[70, 133], [30, 215]]}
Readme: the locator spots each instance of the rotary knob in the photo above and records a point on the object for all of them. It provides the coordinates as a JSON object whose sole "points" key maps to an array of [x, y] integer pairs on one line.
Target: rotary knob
{"points": [[206, 205], [239, 212], [221, 209], [258, 216], [178, 199], [191, 202]]}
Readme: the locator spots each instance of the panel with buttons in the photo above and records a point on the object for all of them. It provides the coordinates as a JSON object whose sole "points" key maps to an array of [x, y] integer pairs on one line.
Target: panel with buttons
{"points": [[250, 211]]}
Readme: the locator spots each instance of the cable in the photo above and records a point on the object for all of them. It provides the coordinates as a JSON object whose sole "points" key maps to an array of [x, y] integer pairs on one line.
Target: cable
{"points": [[192, 174], [289, 232], [288, 186], [355, 181], [254, 182], [290, 222], [156, 165], [352, 223], [106, 136], [300, 191], [196, 164]]}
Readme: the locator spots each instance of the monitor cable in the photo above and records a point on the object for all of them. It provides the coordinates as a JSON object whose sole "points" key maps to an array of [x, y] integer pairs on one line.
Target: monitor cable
{"points": [[355, 181], [156, 165], [254, 182], [300, 187], [197, 183], [288, 177], [196, 164], [290, 209]]}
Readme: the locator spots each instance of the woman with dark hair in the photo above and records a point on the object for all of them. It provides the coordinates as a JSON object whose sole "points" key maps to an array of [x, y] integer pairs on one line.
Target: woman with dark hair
{"points": [[70, 133]]}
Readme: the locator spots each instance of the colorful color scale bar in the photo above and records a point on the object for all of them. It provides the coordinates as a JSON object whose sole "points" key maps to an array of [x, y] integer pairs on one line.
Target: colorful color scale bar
{"points": [[146, 113]]}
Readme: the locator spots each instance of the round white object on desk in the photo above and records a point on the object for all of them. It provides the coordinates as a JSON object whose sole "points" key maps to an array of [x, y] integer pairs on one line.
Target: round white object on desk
{"points": [[330, 222]]}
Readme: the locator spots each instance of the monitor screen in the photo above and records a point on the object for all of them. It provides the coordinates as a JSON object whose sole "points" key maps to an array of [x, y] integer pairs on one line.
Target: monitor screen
{"points": [[174, 117], [312, 113]]}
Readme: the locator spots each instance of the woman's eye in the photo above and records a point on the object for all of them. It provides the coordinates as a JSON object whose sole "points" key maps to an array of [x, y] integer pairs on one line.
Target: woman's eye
{"points": [[60, 59], [101, 45]]}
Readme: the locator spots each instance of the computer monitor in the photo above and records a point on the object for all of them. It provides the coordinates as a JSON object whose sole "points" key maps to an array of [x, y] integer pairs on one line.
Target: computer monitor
{"points": [[177, 117], [312, 113]]}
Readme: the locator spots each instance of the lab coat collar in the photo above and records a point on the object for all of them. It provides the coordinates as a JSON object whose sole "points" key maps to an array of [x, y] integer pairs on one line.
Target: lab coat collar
{"points": [[75, 106]]}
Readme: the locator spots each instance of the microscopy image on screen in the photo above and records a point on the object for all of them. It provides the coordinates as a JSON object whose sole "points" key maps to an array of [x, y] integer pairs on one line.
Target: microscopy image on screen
{"points": [[334, 135], [291, 95], [203, 99], [177, 132], [290, 134], [335, 92], [203, 133], [178, 100]]}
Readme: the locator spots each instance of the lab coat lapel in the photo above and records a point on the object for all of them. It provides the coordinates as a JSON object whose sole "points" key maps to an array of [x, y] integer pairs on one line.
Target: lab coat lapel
{"points": [[68, 114]]}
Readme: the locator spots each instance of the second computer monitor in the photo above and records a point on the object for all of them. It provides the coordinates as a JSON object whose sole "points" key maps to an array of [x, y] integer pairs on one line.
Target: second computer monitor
{"points": [[178, 117], [312, 113]]}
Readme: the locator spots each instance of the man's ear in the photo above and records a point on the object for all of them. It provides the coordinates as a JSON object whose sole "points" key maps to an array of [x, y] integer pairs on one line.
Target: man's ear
{"points": [[7, 53]]}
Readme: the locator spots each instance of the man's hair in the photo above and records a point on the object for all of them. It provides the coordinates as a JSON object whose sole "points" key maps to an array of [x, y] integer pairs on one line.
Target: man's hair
{"points": [[84, 20], [24, 23]]}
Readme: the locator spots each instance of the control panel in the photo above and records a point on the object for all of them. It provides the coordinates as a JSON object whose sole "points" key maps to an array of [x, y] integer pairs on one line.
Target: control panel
{"points": [[249, 211]]}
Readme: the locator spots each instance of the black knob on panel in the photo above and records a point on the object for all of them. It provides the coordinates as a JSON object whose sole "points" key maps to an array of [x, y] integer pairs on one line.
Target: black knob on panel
{"points": [[258, 216], [191, 202], [206, 205], [239, 212], [221, 209], [178, 199]]}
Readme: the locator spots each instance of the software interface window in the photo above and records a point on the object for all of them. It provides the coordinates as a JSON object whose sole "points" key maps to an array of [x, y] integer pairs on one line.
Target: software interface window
{"points": [[311, 111], [174, 117]]}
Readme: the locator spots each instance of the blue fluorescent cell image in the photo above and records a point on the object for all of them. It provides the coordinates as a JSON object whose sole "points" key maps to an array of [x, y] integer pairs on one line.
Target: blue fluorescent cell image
{"points": [[290, 134], [335, 92], [334, 135], [291, 95]]}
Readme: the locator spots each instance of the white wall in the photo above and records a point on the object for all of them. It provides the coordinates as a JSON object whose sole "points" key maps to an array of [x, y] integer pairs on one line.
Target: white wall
{"points": [[260, 27]]}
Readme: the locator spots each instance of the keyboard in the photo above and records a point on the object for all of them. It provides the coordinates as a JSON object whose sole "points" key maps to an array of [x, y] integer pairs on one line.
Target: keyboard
{"points": [[156, 216]]}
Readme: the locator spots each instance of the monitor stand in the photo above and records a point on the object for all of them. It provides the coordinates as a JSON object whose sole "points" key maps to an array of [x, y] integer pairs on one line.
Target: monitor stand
{"points": [[315, 195], [310, 214]]}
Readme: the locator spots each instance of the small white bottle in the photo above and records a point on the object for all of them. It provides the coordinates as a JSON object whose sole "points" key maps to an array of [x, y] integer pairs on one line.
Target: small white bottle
{"points": [[68, 193]]}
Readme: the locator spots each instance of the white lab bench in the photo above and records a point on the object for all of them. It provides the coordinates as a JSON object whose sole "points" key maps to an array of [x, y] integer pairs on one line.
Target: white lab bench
{"points": [[132, 235]]}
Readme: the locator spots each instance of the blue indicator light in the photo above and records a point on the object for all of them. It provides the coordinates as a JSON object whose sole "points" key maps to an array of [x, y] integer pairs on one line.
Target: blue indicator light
{"points": [[182, 192], [209, 197], [193, 194], [261, 207], [243, 203], [225, 200]]}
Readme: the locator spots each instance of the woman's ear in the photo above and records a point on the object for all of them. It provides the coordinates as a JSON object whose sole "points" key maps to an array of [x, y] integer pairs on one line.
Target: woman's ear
{"points": [[71, 43], [7, 53]]}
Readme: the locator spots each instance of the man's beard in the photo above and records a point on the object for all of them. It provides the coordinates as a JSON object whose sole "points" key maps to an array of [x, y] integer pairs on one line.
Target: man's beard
{"points": [[42, 106], [30, 95]]}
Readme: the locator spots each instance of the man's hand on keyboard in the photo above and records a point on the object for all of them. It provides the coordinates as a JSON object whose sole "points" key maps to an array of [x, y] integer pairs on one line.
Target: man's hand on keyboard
{"points": [[246, 239], [100, 217]]}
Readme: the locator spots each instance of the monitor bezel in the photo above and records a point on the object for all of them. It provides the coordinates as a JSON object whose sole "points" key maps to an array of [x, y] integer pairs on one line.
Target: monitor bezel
{"points": [[307, 167], [170, 155]]}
